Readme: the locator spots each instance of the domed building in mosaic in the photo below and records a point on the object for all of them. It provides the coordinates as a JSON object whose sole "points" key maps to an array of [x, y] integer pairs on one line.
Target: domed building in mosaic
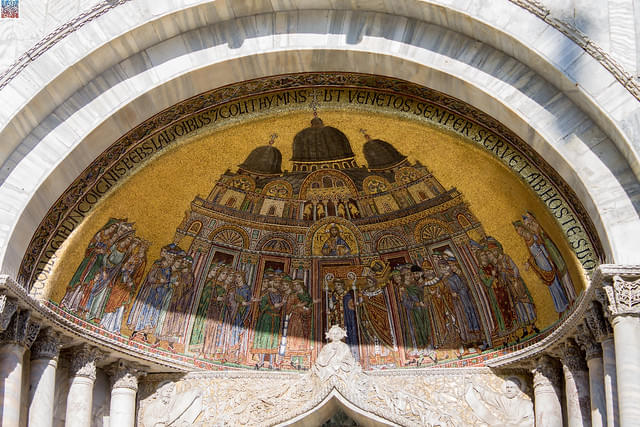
{"points": [[383, 250]]}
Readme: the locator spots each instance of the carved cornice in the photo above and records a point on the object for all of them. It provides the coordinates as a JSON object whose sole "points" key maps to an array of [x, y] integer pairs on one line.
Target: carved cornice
{"points": [[125, 375], [83, 361], [22, 329], [47, 345]]}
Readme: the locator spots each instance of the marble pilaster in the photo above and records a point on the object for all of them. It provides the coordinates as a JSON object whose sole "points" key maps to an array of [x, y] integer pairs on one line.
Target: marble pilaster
{"points": [[18, 336], [576, 386], [623, 298], [593, 352], [42, 378], [124, 386], [546, 389], [82, 376]]}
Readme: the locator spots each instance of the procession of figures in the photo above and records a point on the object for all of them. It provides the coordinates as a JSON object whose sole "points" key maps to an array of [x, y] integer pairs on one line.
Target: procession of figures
{"points": [[270, 316], [270, 260]]}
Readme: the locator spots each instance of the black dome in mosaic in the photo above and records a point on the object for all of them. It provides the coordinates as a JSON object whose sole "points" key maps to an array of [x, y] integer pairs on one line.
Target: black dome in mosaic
{"points": [[381, 155], [320, 143], [265, 160]]}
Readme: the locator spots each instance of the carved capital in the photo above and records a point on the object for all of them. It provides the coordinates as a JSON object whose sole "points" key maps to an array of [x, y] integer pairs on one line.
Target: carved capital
{"points": [[597, 323], [125, 375], [572, 357], [22, 329], [8, 307], [47, 345], [623, 296], [546, 374], [83, 361], [587, 342]]}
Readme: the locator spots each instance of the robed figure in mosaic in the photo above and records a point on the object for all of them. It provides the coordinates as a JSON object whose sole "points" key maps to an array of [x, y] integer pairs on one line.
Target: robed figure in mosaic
{"points": [[239, 314], [544, 266], [174, 324], [149, 301], [298, 315], [342, 311], [100, 291], [125, 284], [416, 324], [378, 340], [79, 287], [266, 339]]}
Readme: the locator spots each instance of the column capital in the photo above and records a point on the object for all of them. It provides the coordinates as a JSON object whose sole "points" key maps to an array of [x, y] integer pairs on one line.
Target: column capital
{"points": [[623, 295], [47, 345], [547, 373], [8, 307], [597, 322], [83, 361], [125, 374], [22, 329], [587, 342], [572, 357]]}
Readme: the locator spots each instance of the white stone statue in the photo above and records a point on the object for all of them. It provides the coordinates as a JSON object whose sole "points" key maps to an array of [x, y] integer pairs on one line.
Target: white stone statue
{"points": [[172, 409], [507, 409], [335, 358]]}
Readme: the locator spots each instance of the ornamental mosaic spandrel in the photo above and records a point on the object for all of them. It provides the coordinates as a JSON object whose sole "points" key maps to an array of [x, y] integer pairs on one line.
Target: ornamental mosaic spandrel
{"points": [[242, 247]]}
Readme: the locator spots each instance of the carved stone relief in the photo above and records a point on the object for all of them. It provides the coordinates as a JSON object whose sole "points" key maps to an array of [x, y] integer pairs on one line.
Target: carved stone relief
{"points": [[405, 397]]}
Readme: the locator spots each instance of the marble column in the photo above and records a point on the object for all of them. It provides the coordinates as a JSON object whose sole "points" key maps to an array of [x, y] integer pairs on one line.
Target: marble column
{"points": [[124, 386], [593, 352], [82, 375], [576, 386], [20, 333], [610, 381], [42, 378], [546, 389], [624, 306], [602, 332]]}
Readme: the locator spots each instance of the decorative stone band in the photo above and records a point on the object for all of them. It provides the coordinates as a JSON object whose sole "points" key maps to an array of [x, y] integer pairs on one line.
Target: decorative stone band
{"points": [[125, 375], [22, 329], [83, 361], [47, 345], [623, 296]]}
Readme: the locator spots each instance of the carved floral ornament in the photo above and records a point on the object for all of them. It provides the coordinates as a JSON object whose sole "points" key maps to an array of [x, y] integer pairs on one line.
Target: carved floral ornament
{"points": [[623, 296], [83, 361]]}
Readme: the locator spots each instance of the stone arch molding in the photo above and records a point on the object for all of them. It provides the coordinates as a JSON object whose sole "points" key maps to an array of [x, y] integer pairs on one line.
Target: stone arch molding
{"points": [[72, 102]]}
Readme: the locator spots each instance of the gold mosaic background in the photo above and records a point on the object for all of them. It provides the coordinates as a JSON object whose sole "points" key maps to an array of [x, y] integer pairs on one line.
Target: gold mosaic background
{"points": [[157, 196]]}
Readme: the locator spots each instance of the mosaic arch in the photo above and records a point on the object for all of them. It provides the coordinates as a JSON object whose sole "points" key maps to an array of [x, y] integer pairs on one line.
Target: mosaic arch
{"points": [[235, 228]]}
